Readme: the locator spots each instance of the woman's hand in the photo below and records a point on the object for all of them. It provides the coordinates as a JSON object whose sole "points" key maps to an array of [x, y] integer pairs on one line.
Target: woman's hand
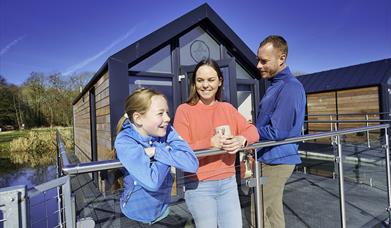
{"points": [[216, 141], [150, 151], [234, 144]]}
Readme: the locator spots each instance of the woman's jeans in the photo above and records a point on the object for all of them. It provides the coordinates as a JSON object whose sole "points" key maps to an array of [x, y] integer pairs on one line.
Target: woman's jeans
{"points": [[214, 203]]}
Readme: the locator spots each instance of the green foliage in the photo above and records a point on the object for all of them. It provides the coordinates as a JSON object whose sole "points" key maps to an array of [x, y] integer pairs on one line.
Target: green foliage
{"points": [[7, 116], [5, 138], [42, 100], [38, 147]]}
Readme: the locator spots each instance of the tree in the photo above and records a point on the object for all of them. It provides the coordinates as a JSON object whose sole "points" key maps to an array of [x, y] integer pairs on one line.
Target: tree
{"points": [[42, 100], [33, 93], [7, 111], [55, 90]]}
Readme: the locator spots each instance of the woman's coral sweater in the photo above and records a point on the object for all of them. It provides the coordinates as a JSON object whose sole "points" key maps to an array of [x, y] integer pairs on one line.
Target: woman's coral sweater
{"points": [[197, 123]]}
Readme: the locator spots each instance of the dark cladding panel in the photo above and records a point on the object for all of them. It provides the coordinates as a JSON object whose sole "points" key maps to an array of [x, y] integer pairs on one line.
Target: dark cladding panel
{"points": [[118, 73]]}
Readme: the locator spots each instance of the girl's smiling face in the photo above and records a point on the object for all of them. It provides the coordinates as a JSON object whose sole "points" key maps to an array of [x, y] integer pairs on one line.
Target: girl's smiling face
{"points": [[155, 121]]}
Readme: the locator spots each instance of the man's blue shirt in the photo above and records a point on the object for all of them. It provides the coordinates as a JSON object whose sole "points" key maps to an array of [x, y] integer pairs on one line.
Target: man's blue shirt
{"points": [[281, 116]]}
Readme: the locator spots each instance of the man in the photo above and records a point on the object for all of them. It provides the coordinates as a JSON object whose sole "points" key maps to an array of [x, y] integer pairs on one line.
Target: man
{"points": [[281, 116]]}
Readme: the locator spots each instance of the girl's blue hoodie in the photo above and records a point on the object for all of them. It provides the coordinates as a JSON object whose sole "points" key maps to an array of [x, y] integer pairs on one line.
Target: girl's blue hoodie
{"points": [[147, 181]]}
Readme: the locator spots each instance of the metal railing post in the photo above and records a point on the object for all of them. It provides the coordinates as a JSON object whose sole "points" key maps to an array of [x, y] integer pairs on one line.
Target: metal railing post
{"points": [[258, 193], [13, 205], [331, 129], [335, 150], [59, 174], [69, 219], [367, 124], [339, 161], [387, 151]]}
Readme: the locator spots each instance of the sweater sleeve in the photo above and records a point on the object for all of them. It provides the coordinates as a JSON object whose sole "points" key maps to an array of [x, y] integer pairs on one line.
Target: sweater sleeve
{"points": [[246, 129], [181, 124], [176, 152], [150, 175], [283, 118]]}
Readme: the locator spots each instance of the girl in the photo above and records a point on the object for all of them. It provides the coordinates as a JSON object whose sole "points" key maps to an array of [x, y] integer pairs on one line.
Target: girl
{"points": [[212, 195], [147, 146]]}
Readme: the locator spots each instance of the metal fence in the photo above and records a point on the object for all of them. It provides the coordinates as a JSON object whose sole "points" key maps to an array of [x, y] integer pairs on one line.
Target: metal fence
{"points": [[16, 201], [43, 203], [257, 181]]}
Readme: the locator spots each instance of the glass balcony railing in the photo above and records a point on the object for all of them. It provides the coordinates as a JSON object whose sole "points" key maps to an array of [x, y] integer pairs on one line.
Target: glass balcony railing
{"points": [[346, 184]]}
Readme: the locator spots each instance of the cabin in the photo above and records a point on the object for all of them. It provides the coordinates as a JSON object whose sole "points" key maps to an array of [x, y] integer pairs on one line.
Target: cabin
{"points": [[356, 92], [164, 60]]}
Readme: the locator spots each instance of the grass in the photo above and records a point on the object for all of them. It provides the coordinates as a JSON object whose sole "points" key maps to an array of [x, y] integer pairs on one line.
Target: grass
{"points": [[5, 138], [6, 164]]}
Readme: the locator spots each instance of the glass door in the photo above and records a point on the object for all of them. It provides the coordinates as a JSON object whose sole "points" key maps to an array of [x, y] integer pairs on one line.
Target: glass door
{"points": [[161, 82]]}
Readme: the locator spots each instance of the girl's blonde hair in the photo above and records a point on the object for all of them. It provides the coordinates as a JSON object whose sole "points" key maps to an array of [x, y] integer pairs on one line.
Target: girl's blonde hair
{"points": [[139, 101]]}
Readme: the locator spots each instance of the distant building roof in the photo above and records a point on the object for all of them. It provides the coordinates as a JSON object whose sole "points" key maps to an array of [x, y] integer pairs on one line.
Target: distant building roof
{"points": [[361, 75]]}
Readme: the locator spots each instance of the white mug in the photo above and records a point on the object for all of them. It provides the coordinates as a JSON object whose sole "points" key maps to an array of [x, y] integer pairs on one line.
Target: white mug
{"points": [[223, 130]]}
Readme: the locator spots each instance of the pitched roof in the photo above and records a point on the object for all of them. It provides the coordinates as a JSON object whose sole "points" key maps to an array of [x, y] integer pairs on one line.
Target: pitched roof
{"points": [[361, 75], [204, 15]]}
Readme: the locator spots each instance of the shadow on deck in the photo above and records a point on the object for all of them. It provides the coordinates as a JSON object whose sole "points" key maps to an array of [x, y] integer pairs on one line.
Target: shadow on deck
{"points": [[309, 201]]}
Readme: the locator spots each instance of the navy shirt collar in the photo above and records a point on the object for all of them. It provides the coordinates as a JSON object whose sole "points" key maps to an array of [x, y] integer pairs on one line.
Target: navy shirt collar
{"points": [[284, 74]]}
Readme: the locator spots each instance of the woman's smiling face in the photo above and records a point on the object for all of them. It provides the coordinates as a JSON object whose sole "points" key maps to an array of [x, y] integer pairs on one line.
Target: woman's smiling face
{"points": [[207, 83]]}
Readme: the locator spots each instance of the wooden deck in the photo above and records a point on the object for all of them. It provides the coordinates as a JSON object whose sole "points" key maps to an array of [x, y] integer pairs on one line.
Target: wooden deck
{"points": [[105, 210], [309, 201]]}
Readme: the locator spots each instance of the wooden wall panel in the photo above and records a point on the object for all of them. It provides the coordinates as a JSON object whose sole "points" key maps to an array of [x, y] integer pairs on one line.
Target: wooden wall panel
{"points": [[362, 100], [321, 103], [82, 122], [103, 124], [82, 130]]}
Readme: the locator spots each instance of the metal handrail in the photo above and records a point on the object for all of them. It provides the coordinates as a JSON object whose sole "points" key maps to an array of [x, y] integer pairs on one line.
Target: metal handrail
{"points": [[335, 123], [110, 164], [347, 121], [62, 151], [349, 114]]}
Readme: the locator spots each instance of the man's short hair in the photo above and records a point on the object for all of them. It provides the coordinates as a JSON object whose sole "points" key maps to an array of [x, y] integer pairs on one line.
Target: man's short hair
{"points": [[278, 42]]}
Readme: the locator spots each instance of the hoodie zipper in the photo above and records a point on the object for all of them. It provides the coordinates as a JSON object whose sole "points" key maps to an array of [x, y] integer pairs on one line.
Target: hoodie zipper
{"points": [[129, 194]]}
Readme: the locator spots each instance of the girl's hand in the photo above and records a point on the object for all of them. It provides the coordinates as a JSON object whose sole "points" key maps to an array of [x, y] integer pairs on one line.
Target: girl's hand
{"points": [[233, 145], [150, 151]]}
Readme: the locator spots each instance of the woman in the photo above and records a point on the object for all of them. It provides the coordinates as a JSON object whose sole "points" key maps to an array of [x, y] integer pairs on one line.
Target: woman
{"points": [[211, 195]]}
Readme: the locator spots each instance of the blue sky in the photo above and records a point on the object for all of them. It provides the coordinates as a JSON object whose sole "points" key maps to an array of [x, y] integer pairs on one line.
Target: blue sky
{"points": [[73, 36]]}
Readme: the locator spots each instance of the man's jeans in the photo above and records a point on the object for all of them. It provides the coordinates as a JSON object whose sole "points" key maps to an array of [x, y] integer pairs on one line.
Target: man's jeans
{"points": [[214, 202]]}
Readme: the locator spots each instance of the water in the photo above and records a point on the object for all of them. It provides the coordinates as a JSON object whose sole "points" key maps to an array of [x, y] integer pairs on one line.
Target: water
{"points": [[28, 176], [43, 207]]}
